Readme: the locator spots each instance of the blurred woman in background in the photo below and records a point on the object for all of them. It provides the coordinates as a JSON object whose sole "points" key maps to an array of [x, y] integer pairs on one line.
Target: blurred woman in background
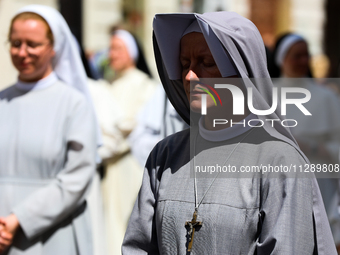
{"points": [[129, 91], [318, 135]]}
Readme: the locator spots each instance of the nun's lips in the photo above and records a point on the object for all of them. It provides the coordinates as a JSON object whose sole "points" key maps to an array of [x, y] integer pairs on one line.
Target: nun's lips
{"points": [[196, 93], [23, 64]]}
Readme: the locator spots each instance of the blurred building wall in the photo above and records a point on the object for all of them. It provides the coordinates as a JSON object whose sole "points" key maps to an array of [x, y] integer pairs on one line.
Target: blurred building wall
{"points": [[308, 18], [98, 17], [274, 17], [271, 16]]}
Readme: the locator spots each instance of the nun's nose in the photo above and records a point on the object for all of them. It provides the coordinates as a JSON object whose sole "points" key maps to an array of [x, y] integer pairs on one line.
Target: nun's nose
{"points": [[191, 75]]}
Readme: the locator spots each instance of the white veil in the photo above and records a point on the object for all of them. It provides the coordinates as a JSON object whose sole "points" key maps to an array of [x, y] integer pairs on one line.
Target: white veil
{"points": [[67, 63]]}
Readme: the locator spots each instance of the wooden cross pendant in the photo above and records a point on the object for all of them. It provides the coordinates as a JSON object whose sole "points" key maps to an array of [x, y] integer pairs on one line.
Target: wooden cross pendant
{"points": [[192, 227]]}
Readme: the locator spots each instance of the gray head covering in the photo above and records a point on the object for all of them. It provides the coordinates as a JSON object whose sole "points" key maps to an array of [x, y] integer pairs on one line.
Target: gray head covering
{"points": [[229, 37], [284, 47], [194, 27]]}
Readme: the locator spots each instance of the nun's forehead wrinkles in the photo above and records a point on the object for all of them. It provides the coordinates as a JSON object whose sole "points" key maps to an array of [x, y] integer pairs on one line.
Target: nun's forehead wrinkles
{"points": [[194, 43]]}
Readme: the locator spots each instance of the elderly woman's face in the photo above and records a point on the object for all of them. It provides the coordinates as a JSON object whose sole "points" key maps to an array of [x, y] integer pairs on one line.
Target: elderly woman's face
{"points": [[197, 62], [120, 59], [296, 62], [31, 51]]}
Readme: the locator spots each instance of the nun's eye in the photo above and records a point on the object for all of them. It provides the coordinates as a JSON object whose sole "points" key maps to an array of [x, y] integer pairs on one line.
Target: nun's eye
{"points": [[15, 43], [209, 63], [33, 45], [185, 67], [185, 64]]}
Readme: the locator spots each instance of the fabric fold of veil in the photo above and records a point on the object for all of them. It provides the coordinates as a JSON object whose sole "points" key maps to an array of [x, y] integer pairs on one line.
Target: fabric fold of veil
{"points": [[67, 62]]}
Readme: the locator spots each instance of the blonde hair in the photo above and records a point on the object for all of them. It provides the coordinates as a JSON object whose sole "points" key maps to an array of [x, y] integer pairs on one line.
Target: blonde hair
{"points": [[34, 16]]}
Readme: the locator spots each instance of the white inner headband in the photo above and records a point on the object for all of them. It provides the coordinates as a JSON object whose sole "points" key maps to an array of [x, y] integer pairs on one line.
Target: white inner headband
{"points": [[130, 43], [194, 27], [221, 58], [285, 46]]}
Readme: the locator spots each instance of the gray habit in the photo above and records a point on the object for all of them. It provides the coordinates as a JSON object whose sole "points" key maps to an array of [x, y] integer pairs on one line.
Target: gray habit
{"points": [[267, 215]]}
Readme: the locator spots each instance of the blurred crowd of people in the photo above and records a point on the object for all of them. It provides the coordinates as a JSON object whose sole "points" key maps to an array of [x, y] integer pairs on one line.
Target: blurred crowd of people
{"points": [[319, 135], [73, 143]]}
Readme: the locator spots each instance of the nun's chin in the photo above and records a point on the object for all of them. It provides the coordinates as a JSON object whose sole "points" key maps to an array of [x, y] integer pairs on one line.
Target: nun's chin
{"points": [[196, 106]]}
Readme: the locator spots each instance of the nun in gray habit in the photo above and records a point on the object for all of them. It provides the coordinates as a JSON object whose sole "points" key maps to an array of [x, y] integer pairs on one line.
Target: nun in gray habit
{"points": [[178, 213]]}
